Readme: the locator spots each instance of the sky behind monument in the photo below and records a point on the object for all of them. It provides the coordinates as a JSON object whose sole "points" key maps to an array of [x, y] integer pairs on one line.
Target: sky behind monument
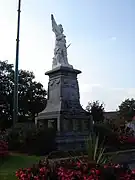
{"points": [[102, 37]]}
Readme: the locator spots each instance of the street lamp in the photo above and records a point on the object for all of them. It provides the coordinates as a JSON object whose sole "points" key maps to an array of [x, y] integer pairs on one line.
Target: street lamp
{"points": [[15, 98]]}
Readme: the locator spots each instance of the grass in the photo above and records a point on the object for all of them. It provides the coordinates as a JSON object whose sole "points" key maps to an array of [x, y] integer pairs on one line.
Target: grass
{"points": [[14, 162]]}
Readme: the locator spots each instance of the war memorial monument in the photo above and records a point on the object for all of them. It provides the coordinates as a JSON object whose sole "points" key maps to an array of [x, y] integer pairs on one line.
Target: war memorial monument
{"points": [[63, 110]]}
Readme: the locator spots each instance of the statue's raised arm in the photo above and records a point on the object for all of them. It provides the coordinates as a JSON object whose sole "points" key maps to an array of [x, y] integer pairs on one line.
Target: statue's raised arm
{"points": [[55, 27]]}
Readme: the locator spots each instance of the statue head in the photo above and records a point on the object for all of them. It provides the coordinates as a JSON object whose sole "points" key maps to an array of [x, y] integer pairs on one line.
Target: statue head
{"points": [[61, 28]]}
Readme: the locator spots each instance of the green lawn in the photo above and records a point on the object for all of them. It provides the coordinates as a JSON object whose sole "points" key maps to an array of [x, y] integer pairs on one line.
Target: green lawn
{"points": [[14, 162]]}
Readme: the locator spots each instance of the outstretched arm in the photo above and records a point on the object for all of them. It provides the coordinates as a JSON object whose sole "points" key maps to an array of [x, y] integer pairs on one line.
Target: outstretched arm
{"points": [[55, 27], [53, 20]]}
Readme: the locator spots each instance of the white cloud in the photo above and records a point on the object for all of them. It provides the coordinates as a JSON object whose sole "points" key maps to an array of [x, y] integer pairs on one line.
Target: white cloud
{"points": [[112, 97]]}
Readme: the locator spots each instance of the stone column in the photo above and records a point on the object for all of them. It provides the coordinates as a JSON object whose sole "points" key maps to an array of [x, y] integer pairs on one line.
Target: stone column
{"points": [[74, 124], [58, 124], [50, 125]]}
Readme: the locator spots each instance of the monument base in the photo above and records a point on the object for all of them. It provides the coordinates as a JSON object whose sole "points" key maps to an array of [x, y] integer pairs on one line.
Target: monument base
{"points": [[63, 111]]}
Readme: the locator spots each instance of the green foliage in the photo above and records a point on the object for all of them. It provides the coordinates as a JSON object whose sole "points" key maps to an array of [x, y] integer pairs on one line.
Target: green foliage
{"points": [[97, 111], [95, 150], [108, 134], [103, 130], [31, 95], [37, 141], [127, 109], [6, 86]]}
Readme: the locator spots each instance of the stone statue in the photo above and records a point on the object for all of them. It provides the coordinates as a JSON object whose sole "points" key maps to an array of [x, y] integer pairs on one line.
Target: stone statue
{"points": [[60, 51]]}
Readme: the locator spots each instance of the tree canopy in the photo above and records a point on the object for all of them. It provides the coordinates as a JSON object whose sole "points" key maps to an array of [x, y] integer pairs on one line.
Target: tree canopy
{"points": [[97, 110], [31, 94], [127, 109]]}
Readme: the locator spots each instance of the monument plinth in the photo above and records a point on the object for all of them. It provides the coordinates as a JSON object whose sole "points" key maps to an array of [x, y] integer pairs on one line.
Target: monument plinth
{"points": [[63, 110]]}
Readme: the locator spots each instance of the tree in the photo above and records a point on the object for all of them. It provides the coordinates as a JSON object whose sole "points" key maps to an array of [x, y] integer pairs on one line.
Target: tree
{"points": [[127, 109], [31, 94], [97, 110], [6, 87]]}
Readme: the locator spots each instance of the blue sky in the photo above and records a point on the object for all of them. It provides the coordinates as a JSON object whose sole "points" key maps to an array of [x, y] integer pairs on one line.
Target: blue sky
{"points": [[102, 37]]}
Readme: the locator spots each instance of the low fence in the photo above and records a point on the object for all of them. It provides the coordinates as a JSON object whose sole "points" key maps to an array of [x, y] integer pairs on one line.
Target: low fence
{"points": [[125, 156]]}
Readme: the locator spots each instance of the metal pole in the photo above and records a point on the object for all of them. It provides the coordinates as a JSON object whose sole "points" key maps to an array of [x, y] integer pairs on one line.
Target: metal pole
{"points": [[15, 99]]}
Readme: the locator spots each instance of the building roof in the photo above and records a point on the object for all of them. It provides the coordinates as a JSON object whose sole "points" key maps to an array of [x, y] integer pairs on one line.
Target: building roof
{"points": [[111, 115]]}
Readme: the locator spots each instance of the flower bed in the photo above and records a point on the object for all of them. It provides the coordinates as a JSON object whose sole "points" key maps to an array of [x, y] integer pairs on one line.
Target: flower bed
{"points": [[75, 170], [3, 149], [126, 139]]}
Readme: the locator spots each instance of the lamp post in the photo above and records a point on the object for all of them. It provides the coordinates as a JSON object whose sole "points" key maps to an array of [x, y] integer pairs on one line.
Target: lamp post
{"points": [[15, 98]]}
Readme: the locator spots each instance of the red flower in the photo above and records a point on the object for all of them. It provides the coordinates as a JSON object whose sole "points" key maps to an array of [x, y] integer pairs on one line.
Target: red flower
{"points": [[78, 164], [3, 148], [98, 172], [69, 170]]}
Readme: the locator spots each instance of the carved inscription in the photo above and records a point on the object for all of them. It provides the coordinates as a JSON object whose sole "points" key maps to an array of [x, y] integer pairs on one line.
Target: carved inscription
{"points": [[70, 83], [71, 89]]}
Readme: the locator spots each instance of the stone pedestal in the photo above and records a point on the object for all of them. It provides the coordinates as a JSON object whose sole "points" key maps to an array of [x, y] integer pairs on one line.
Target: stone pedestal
{"points": [[63, 108]]}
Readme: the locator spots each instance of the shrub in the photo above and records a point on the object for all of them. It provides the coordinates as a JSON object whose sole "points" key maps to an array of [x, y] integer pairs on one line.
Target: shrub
{"points": [[104, 131], [34, 141], [3, 135], [41, 141], [116, 138]]}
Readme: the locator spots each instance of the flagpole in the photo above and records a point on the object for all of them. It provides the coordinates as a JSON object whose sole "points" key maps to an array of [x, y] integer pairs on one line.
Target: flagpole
{"points": [[15, 98]]}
